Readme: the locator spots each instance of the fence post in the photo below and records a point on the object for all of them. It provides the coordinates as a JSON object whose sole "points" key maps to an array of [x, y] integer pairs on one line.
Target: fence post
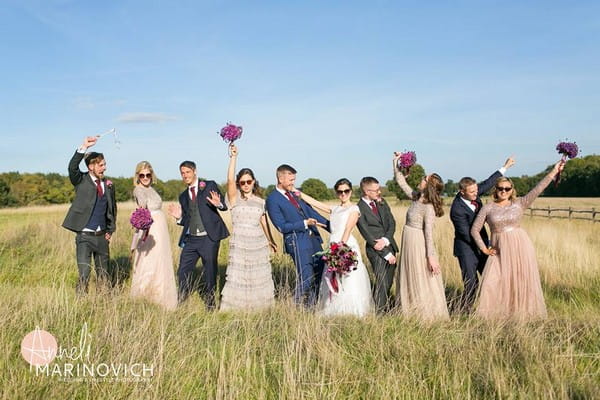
{"points": [[570, 212], [549, 216], [594, 214]]}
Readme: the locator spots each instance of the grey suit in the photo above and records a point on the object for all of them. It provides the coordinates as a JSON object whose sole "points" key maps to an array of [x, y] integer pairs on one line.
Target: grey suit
{"points": [[373, 227], [89, 244]]}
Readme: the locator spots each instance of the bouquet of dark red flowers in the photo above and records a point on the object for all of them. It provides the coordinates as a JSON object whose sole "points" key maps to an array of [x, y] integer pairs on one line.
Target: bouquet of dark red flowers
{"points": [[339, 259], [407, 160], [567, 150], [230, 133], [141, 219]]}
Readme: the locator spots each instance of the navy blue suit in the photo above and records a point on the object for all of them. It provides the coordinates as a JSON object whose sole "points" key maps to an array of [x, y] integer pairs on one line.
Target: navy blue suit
{"points": [[300, 243], [204, 247], [470, 258]]}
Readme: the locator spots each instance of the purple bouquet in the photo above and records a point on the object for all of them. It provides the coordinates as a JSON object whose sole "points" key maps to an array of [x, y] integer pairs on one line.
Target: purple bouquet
{"points": [[230, 133], [141, 219], [339, 259], [568, 150], [407, 160]]}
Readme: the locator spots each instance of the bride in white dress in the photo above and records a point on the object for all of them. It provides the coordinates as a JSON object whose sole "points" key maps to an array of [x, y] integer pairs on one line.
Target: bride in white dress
{"points": [[354, 293]]}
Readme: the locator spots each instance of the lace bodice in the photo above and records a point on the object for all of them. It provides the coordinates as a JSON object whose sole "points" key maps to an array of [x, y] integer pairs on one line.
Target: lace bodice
{"points": [[147, 197], [503, 219], [419, 215]]}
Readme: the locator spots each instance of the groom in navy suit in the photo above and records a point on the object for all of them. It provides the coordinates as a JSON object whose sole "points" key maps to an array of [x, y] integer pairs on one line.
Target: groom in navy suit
{"points": [[203, 230], [465, 207], [297, 221]]}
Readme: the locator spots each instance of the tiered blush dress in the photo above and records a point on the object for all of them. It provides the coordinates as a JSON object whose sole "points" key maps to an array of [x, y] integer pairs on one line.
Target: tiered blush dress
{"points": [[153, 276], [422, 294], [510, 286], [249, 282]]}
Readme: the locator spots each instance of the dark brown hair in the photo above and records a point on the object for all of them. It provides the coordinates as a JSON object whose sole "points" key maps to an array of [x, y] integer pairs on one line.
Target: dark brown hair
{"points": [[93, 158], [256, 190], [432, 193]]}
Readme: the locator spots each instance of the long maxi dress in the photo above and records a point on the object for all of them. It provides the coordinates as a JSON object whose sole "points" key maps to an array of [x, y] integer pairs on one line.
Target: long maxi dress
{"points": [[422, 294], [249, 281], [510, 285], [153, 275]]}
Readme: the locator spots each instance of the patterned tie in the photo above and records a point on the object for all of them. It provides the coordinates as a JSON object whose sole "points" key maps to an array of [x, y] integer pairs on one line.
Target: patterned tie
{"points": [[374, 208], [193, 189], [475, 204], [99, 188], [292, 200]]}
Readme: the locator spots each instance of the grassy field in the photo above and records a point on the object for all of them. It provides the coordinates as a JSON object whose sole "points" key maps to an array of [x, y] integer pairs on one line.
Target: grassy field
{"points": [[287, 353]]}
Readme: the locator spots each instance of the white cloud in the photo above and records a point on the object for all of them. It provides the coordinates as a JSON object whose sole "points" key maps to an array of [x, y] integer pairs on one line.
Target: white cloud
{"points": [[145, 117], [84, 103]]}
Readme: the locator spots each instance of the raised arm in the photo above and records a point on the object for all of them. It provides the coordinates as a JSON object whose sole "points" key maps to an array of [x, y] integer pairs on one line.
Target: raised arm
{"points": [[543, 184], [400, 178], [485, 186], [315, 203], [231, 186], [476, 228]]}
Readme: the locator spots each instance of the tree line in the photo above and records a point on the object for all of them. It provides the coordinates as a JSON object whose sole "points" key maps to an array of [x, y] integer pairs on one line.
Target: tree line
{"points": [[580, 178]]}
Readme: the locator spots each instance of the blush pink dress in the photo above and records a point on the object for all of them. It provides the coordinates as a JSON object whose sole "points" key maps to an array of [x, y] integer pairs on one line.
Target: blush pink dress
{"points": [[510, 284], [422, 294], [153, 276]]}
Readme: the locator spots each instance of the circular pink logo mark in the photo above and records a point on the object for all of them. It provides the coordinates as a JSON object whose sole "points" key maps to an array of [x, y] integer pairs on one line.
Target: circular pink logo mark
{"points": [[39, 347]]}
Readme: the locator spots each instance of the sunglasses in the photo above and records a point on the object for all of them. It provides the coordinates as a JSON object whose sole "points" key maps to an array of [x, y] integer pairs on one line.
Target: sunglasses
{"points": [[142, 176], [503, 188], [248, 182], [345, 191]]}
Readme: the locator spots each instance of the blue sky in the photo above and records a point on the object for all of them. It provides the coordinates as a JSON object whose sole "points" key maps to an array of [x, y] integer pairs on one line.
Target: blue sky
{"points": [[332, 88]]}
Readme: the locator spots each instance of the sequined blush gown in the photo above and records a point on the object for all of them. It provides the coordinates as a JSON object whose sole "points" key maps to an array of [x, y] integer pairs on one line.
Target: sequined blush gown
{"points": [[153, 276], [510, 284], [422, 294]]}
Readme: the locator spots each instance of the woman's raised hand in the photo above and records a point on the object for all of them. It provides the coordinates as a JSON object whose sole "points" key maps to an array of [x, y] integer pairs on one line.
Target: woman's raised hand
{"points": [[233, 151]]}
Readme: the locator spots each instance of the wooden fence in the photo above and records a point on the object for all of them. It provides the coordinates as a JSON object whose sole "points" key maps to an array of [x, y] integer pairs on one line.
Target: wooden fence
{"points": [[568, 212]]}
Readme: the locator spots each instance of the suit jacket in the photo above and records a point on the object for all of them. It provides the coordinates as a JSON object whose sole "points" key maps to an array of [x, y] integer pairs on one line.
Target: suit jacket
{"points": [[373, 227], [290, 221], [462, 218], [85, 197], [213, 223]]}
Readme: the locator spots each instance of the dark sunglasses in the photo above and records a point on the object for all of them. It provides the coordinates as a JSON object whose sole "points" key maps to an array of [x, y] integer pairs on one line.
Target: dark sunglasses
{"points": [[503, 188], [248, 182], [142, 176], [345, 191]]}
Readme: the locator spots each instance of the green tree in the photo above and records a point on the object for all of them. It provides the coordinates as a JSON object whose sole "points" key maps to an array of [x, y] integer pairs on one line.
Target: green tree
{"points": [[316, 188]]}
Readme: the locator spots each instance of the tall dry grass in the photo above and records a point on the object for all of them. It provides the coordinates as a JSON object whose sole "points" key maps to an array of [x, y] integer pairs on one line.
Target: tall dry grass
{"points": [[285, 352]]}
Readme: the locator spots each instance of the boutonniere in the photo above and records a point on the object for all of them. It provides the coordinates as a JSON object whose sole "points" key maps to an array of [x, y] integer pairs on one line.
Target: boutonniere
{"points": [[201, 185], [108, 183]]}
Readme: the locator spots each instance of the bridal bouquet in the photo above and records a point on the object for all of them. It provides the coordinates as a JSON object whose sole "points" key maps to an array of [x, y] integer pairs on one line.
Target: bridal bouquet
{"points": [[141, 219], [407, 160], [339, 259], [230, 133], [568, 150]]}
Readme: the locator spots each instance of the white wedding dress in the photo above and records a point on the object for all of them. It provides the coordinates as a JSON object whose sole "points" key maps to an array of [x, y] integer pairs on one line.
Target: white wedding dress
{"points": [[354, 293]]}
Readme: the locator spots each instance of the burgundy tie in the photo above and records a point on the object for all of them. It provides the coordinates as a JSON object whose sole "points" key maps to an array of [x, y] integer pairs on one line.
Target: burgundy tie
{"points": [[99, 188], [374, 208], [193, 189], [292, 199], [475, 204]]}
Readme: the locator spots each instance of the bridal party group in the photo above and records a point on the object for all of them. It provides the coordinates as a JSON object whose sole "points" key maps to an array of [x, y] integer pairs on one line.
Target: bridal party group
{"points": [[500, 272]]}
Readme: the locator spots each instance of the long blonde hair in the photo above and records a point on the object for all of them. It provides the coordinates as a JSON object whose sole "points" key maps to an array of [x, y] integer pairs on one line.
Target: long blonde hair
{"points": [[513, 194], [140, 166]]}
